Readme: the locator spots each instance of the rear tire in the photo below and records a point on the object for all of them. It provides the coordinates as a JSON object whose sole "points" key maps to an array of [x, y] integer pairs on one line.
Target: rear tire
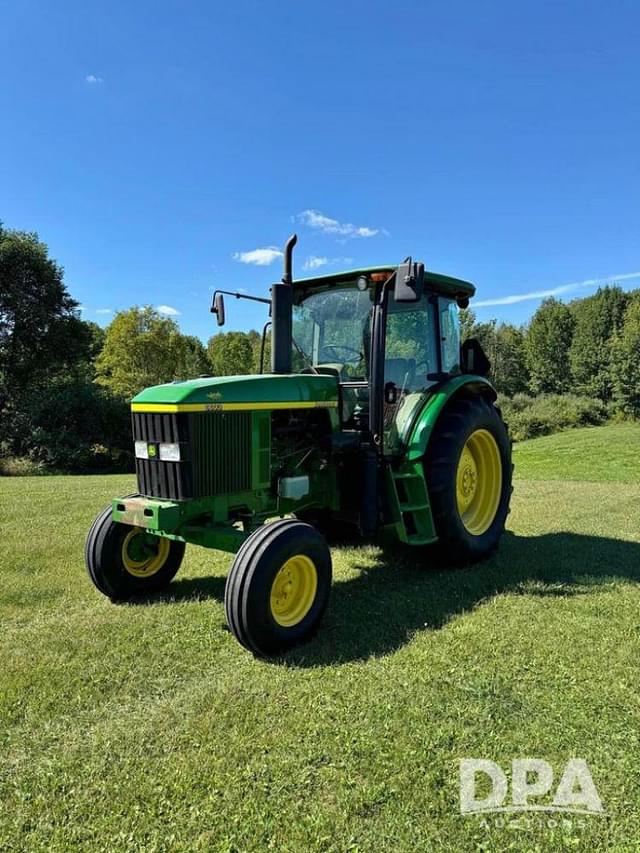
{"points": [[125, 561], [278, 587], [468, 471]]}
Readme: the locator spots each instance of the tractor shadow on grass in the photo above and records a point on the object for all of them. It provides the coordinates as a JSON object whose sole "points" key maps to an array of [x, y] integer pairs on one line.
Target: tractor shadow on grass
{"points": [[399, 592], [395, 597]]}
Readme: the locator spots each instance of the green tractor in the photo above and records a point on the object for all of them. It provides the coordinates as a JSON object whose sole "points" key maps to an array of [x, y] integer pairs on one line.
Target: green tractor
{"points": [[372, 418]]}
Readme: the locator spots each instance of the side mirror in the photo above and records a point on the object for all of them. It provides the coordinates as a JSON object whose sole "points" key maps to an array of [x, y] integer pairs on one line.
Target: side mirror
{"points": [[474, 359], [409, 281], [218, 308]]}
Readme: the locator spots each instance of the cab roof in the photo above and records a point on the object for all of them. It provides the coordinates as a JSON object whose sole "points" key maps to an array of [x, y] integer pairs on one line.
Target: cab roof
{"points": [[444, 284]]}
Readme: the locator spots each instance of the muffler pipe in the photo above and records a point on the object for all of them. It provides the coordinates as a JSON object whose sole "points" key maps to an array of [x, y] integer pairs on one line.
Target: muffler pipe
{"points": [[287, 275], [281, 311]]}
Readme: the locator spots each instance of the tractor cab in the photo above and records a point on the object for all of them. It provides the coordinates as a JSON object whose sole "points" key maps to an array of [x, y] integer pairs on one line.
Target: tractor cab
{"points": [[416, 339]]}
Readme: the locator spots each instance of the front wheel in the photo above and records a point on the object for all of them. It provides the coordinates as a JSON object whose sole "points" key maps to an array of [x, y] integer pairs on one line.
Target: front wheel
{"points": [[278, 587], [125, 561], [468, 470]]}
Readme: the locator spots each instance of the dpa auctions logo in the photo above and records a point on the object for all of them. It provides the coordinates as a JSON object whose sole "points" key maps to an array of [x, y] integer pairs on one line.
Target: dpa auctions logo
{"points": [[530, 778]]}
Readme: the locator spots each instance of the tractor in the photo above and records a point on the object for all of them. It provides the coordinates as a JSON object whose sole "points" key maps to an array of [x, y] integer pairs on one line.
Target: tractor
{"points": [[373, 419]]}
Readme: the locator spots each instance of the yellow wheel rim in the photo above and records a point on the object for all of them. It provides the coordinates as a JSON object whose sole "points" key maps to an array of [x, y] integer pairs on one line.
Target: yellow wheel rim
{"points": [[293, 590], [142, 557], [479, 482]]}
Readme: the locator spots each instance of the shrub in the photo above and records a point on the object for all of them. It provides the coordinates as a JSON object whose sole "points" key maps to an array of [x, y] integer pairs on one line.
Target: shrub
{"points": [[69, 425], [529, 417], [18, 466]]}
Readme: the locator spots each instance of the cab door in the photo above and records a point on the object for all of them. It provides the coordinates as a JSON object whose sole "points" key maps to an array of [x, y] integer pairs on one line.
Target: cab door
{"points": [[411, 356]]}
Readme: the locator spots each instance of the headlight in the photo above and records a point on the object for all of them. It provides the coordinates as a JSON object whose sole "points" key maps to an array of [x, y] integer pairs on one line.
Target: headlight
{"points": [[142, 450], [170, 452]]}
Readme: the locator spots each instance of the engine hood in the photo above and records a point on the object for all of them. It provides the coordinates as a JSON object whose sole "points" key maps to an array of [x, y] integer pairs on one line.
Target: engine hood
{"points": [[229, 393]]}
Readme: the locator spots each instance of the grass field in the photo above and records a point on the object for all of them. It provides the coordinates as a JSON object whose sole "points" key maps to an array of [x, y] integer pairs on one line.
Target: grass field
{"points": [[147, 727], [608, 454]]}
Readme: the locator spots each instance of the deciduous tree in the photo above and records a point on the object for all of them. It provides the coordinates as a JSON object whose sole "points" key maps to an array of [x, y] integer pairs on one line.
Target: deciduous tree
{"points": [[547, 345], [141, 348], [597, 319], [40, 328], [231, 353], [625, 362], [193, 360]]}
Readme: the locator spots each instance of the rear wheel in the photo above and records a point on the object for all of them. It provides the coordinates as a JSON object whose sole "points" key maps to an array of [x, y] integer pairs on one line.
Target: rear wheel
{"points": [[468, 470], [125, 561], [278, 587]]}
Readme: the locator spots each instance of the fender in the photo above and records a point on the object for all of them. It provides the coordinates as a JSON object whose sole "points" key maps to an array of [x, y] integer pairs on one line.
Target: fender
{"points": [[413, 498], [422, 429]]}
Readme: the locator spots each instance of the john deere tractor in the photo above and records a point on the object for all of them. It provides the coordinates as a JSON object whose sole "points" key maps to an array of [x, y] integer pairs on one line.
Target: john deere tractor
{"points": [[373, 417]]}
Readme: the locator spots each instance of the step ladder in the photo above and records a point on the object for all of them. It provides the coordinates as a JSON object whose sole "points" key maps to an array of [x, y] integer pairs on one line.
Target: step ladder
{"points": [[410, 506]]}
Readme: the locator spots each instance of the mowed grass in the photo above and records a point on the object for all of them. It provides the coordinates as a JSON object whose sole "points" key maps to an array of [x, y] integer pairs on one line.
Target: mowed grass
{"points": [[609, 454], [147, 727]]}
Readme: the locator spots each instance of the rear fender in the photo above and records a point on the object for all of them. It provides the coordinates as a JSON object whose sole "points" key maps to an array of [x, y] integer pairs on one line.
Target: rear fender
{"points": [[436, 404]]}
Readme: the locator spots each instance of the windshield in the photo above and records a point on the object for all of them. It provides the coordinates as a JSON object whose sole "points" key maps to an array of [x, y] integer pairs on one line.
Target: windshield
{"points": [[332, 327]]}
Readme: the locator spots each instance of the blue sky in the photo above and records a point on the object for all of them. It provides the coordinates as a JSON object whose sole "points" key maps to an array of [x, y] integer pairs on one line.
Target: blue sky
{"points": [[156, 145]]}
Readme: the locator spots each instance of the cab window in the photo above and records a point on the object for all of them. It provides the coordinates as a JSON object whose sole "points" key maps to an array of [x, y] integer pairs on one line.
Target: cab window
{"points": [[449, 335], [411, 349]]}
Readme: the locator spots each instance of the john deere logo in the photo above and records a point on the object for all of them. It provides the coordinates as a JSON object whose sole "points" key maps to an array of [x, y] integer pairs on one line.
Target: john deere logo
{"points": [[214, 395], [151, 450]]}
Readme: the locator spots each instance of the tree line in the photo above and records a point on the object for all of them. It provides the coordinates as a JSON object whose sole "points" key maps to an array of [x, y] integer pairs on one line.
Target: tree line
{"points": [[589, 346], [65, 383]]}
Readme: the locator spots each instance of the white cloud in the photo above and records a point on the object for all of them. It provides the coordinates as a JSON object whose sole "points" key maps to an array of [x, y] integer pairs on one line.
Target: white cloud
{"points": [[104, 311], [317, 220], [259, 257], [93, 80], [167, 310], [515, 298], [313, 262]]}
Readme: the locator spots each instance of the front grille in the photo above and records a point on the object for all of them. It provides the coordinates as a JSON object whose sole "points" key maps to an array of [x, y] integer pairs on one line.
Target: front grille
{"points": [[215, 449], [221, 446]]}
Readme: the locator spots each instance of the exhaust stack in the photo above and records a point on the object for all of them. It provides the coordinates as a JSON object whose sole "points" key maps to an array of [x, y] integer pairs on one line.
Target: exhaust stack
{"points": [[281, 308]]}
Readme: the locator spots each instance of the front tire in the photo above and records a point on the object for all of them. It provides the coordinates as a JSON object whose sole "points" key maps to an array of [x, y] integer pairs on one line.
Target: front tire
{"points": [[468, 470], [278, 587], [125, 561]]}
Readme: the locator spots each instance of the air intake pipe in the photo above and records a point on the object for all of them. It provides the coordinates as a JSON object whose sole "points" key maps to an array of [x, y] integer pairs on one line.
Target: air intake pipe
{"points": [[281, 313]]}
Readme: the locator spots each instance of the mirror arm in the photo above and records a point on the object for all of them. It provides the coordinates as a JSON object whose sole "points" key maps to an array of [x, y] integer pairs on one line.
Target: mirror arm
{"points": [[238, 296]]}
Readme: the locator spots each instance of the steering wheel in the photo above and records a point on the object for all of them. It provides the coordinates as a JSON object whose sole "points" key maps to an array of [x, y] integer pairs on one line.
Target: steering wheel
{"points": [[332, 351]]}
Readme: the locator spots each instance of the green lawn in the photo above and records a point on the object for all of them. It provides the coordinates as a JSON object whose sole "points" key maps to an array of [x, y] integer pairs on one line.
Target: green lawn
{"points": [[147, 727], [609, 454]]}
